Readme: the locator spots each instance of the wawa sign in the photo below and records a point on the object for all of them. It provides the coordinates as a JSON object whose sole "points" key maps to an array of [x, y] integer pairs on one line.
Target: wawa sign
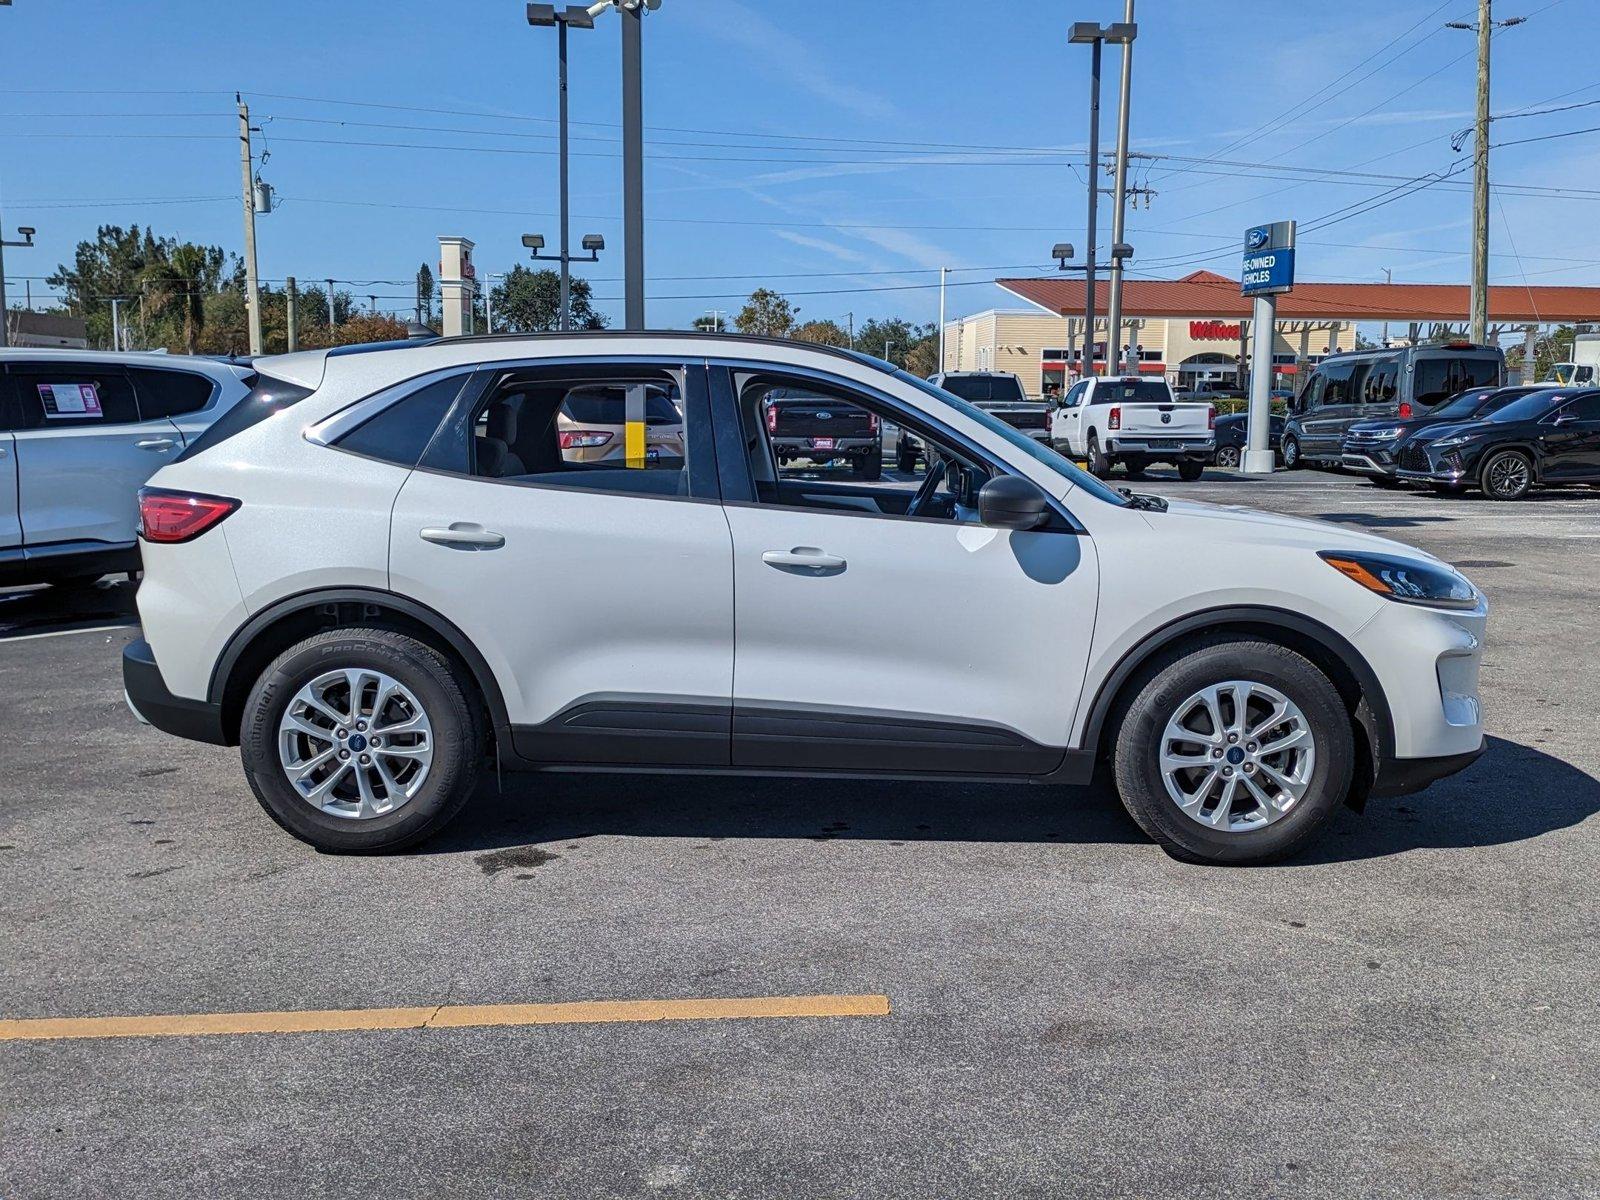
{"points": [[1213, 331]]}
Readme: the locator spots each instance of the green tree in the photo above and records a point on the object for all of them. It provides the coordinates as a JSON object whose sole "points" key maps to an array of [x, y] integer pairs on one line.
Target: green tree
{"points": [[529, 301], [898, 340], [177, 284], [824, 333], [765, 314], [710, 323], [425, 293]]}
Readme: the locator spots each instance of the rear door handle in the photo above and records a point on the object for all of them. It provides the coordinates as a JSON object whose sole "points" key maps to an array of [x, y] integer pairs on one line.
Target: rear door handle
{"points": [[463, 533], [156, 444], [803, 558]]}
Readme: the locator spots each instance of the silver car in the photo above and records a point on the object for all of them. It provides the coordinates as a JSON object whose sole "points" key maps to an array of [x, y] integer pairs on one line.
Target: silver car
{"points": [[80, 432]]}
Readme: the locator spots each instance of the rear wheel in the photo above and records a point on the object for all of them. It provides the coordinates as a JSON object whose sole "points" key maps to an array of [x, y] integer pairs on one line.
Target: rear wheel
{"points": [[1233, 752], [867, 466], [1135, 465], [362, 740], [905, 460], [1291, 454], [1190, 469], [1227, 456], [1506, 475], [1099, 464]]}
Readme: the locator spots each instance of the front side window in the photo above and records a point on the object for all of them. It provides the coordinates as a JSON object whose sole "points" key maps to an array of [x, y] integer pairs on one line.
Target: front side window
{"points": [[1585, 408], [73, 397]]}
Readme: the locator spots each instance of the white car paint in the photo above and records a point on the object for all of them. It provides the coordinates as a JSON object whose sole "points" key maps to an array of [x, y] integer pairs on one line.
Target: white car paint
{"points": [[594, 595]]}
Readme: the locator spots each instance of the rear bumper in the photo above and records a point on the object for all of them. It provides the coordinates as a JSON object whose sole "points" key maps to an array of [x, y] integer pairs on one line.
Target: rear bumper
{"points": [[148, 697], [1402, 776], [1202, 448], [801, 447]]}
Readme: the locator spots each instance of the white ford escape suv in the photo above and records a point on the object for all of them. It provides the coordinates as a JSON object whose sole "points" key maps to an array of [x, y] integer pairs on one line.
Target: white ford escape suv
{"points": [[389, 564]]}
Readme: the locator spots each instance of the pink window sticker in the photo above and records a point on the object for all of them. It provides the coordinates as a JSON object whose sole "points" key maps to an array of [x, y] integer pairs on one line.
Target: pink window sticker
{"points": [[70, 400], [90, 395]]}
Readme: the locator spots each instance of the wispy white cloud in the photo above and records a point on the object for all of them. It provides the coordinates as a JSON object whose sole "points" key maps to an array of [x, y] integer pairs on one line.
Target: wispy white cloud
{"points": [[843, 253]]}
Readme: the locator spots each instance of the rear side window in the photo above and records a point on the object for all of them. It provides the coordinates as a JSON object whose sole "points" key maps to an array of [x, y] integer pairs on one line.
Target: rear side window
{"points": [[170, 393], [401, 432], [268, 395], [73, 396], [1438, 377], [1336, 383]]}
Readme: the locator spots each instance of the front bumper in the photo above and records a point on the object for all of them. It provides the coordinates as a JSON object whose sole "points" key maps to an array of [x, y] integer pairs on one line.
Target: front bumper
{"points": [[1427, 465], [1368, 457], [1402, 776], [147, 695], [1427, 662]]}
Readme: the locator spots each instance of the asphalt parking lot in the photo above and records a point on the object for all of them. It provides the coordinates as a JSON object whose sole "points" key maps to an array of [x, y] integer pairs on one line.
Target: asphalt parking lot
{"points": [[1407, 1011]]}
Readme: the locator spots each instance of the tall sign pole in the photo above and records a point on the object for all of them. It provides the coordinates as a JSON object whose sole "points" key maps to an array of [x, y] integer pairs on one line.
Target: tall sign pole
{"points": [[1119, 195], [1094, 209], [632, 164], [1268, 273]]}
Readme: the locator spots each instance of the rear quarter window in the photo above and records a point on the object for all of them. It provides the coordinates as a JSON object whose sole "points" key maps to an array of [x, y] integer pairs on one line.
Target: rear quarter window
{"points": [[170, 393], [401, 432], [268, 395]]}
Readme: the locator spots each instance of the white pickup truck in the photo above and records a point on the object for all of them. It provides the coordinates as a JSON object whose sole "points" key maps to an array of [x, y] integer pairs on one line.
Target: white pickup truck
{"points": [[1135, 422]]}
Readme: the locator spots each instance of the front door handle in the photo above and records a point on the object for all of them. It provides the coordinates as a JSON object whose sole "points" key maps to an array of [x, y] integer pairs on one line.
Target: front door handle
{"points": [[464, 533], [156, 444], [803, 558]]}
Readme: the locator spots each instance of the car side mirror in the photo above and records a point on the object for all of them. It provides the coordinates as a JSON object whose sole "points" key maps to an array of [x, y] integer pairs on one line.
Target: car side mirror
{"points": [[1011, 502]]}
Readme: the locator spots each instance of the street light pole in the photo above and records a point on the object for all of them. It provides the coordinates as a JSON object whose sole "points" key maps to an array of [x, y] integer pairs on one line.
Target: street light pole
{"points": [[1119, 189], [943, 271], [27, 233], [632, 163], [1094, 199]]}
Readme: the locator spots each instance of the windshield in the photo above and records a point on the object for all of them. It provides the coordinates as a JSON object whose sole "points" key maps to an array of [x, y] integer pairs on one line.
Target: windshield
{"points": [[1465, 404], [1035, 450], [986, 389], [1531, 407]]}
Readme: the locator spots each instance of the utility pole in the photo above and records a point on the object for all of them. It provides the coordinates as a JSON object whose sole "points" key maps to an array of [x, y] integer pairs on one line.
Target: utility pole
{"points": [[1388, 278], [943, 271], [291, 305], [1119, 190], [252, 283], [332, 320], [1480, 186], [632, 164], [116, 323], [5, 313]]}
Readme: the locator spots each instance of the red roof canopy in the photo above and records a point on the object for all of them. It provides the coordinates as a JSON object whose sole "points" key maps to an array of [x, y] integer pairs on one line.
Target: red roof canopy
{"points": [[1205, 293]]}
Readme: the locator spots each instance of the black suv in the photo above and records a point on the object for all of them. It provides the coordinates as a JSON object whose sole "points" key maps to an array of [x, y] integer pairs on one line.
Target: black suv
{"points": [[1369, 446], [1550, 436], [1366, 384]]}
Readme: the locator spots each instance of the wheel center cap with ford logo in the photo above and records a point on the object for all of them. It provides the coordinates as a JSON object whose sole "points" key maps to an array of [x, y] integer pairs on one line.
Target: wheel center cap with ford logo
{"points": [[358, 742], [1235, 755]]}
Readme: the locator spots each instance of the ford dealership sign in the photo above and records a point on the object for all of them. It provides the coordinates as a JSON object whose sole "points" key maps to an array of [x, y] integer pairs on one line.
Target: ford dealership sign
{"points": [[1268, 259]]}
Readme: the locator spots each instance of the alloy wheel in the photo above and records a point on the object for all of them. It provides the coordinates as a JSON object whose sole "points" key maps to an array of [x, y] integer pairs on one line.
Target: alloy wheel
{"points": [[1228, 456], [1237, 756], [355, 743], [1509, 475]]}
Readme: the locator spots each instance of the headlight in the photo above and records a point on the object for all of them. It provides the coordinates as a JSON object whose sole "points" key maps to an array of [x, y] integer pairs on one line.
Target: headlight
{"points": [[1383, 435], [1404, 579], [1460, 439]]}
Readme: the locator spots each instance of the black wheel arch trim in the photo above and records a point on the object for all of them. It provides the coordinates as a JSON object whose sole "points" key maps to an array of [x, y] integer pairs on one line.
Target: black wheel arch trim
{"points": [[1261, 617], [245, 636]]}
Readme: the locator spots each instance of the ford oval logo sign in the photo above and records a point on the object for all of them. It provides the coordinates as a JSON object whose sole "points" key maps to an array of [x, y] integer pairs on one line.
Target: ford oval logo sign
{"points": [[1256, 238]]}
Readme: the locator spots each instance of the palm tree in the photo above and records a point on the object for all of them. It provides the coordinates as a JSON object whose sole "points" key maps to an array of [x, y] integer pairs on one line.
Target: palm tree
{"points": [[178, 278]]}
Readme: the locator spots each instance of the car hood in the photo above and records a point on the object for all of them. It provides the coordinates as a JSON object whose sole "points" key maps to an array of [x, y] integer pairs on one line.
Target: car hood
{"points": [[1250, 526], [1441, 429], [1381, 426]]}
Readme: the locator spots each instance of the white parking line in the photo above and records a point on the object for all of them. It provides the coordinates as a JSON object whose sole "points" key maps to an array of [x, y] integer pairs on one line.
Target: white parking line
{"points": [[55, 633]]}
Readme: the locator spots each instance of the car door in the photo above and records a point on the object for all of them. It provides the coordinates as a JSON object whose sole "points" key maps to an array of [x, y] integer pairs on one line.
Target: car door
{"points": [[1570, 440], [869, 638], [10, 522], [599, 592], [1325, 423], [83, 452], [188, 400], [1066, 424]]}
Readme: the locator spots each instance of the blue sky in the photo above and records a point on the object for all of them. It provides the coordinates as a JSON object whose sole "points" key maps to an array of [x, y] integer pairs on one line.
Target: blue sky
{"points": [[846, 149]]}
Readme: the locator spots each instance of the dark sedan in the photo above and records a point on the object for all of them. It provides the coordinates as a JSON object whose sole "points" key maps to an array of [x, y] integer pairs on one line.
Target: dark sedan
{"points": [[1232, 430], [1370, 446], [1550, 436]]}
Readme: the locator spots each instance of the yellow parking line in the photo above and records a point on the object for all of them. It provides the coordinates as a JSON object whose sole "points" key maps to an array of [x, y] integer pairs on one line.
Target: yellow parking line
{"points": [[458, 1016]]}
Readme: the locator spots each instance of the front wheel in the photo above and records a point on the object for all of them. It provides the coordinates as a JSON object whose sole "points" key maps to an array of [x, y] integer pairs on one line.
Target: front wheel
{"points": [[1506, 475], [1384, 481], [1227, 456], [1190, 469], [362, 740], [1291, 454], [1234, 752], [905, 461]]}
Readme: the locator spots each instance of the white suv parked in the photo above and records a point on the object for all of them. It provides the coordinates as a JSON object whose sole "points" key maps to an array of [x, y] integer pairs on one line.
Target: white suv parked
{"points": [[384, 568], [80, 431]]}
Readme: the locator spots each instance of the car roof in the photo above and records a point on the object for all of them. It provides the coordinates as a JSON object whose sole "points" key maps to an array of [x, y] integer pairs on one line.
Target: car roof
{"points": [[208, 364]]}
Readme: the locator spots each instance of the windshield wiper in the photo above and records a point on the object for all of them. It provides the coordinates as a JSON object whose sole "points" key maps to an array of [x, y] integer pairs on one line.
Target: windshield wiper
{"points": [[1141, 501]]}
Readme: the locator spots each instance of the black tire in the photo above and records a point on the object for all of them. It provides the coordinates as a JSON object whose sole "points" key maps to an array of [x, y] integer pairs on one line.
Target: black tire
{"points": [[867, 466], [454, 711], [1099, 464], [1384, 481], [905, 460], [1448, 489], [1228, 456], [1191, 469], [1135, 464], [1291, 454], [1156, 695], [1506, 475]]}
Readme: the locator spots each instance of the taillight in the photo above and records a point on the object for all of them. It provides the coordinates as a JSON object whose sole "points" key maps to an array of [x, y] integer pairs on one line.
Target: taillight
{"points": [[1114, 418], [166, 516], [1405, 410], [772, 418], [583, 439], [1211, 418], [872, 424]]}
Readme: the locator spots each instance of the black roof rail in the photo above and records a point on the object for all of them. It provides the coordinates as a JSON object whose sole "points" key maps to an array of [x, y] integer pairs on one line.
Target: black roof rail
{"points": [[743, 339]]}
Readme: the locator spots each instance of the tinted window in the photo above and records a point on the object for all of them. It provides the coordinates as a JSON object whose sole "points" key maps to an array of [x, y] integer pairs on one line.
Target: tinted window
{"points": [[1336, 383], [72, 396], [986, 389], [1382, 383], [1468, 404], [170, 393], [1585, 409], [608, 406], [1131, 391], [1529, 408], [1438, 377], [268, 395], [401, 432]]}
